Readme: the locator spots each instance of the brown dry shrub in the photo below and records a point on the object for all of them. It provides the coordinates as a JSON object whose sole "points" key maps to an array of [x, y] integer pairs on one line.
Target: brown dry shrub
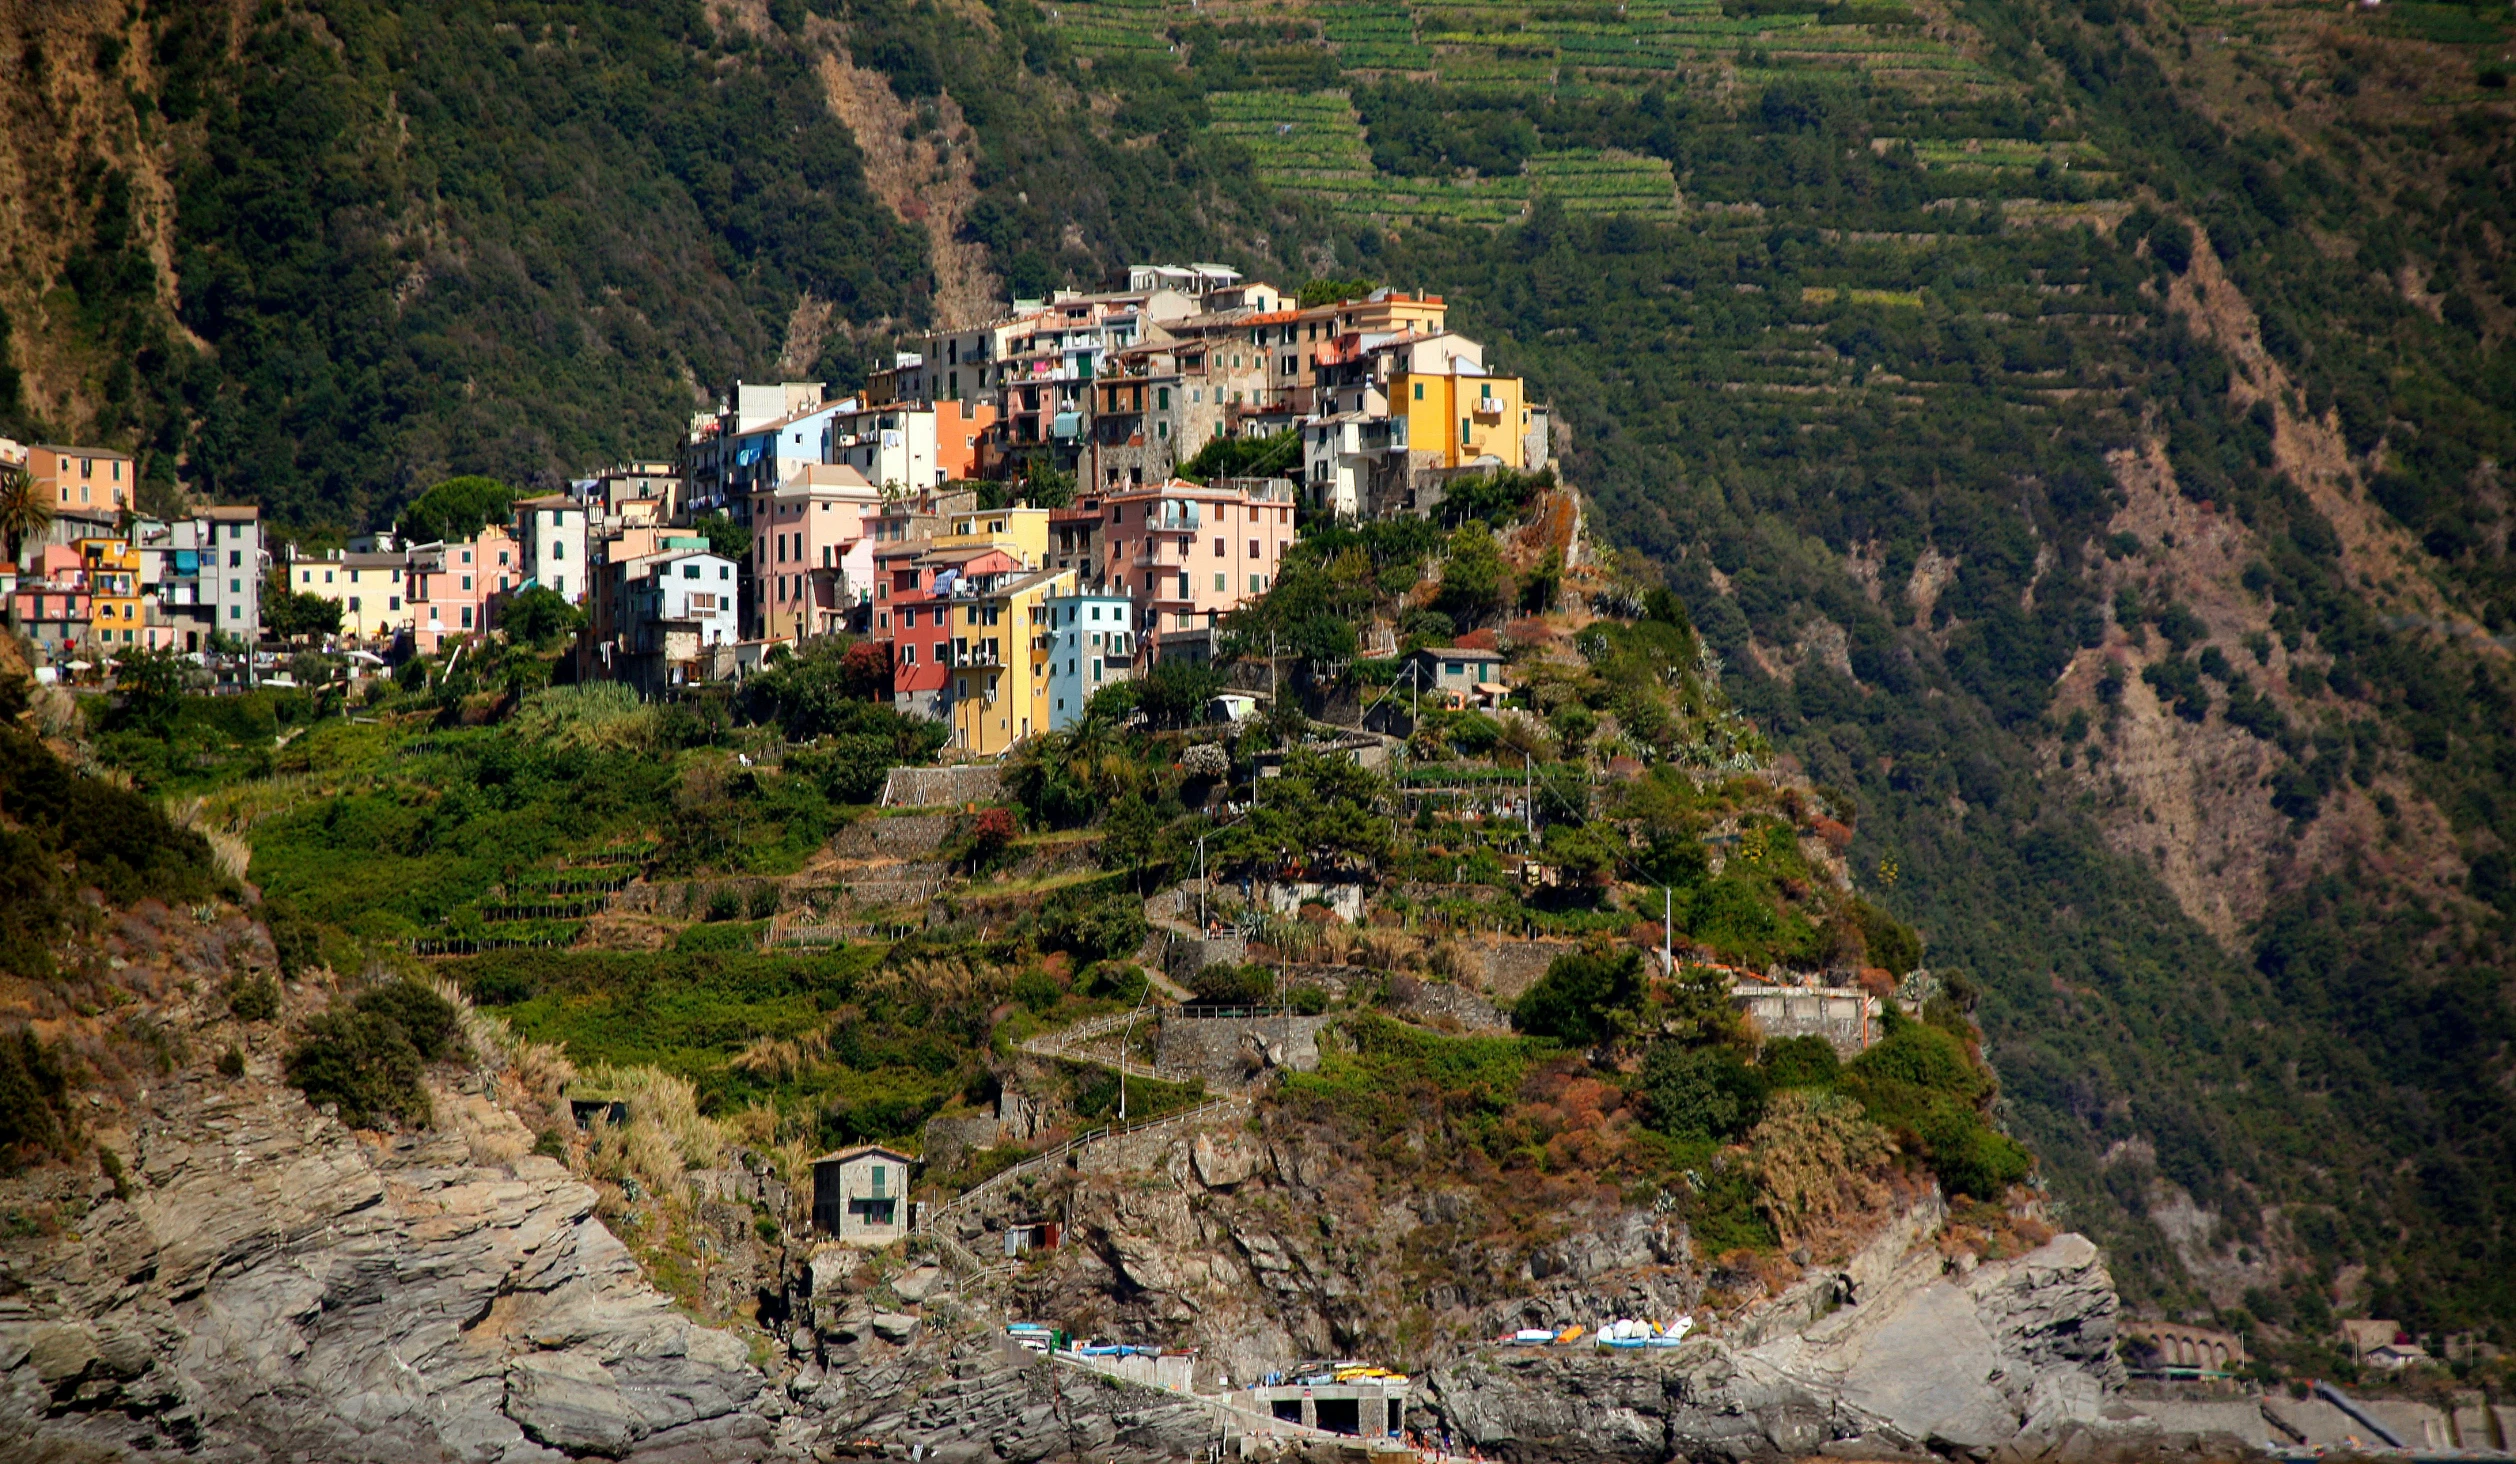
{"points": [[1812, 1155]]}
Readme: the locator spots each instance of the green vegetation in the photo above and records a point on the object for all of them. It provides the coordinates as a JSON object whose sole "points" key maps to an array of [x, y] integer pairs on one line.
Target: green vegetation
{"points": [[1859, 402], [369, 1057], [60, 832]]}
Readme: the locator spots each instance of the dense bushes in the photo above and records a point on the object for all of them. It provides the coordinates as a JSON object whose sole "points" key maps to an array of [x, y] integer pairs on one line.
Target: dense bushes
{"points": [[369, 1057], [1585, 996], [34, 1100], [62, 831], [1095, 927]]}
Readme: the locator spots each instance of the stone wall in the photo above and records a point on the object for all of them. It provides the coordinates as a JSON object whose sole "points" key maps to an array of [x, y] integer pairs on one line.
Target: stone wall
{"points": [[1236, 1049], [942, 787], [1510, 967], [1847, 1019]]}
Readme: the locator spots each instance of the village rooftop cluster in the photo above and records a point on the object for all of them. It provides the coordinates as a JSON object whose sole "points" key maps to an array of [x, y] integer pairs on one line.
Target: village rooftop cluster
{"points": [[903, 511]]}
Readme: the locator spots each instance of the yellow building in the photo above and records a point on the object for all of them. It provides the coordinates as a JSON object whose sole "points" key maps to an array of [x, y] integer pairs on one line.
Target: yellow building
{"points": [[371, 590], [1000, 651], [1020, 532], [113, 585], [1455, 418]]}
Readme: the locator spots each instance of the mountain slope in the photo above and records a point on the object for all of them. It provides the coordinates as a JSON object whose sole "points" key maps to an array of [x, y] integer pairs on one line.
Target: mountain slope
{"points": [[2087, 454]]}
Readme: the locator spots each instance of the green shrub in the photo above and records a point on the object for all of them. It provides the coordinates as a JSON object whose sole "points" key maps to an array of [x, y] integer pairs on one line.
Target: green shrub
{"points": [[34, 1101], [1309, 1001], [253, 999], [1095, 928], [719, 936], [1115, 981], [1580, 997], [1225, 984], [231, 1063], [1701, 1092], [1037, 990], [1920, 1084], [1801, 1062], [369, 1058]]}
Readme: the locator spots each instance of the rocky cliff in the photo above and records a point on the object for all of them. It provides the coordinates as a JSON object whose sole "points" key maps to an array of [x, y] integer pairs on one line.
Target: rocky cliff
{"points": [[227, 1273]]}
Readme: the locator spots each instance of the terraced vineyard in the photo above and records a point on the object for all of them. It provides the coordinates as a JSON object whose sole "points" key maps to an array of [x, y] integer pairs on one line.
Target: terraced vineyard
{"points": [[1311, 141]]}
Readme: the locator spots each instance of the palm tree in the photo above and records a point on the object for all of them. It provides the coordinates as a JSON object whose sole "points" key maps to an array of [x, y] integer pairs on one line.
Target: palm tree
{"points": [[24, 509]]}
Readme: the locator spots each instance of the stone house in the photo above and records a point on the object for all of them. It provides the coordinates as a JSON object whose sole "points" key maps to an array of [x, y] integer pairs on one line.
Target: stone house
{"points": [[860, 1195]]}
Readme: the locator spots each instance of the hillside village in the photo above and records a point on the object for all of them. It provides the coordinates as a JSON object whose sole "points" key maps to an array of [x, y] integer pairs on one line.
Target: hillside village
{"points": [[1007, 478], [1176, 730]]}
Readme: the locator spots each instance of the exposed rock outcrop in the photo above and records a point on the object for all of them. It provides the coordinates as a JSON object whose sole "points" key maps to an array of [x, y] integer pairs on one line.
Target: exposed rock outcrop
{"points": [[273, 1285], [1904, 1357]]}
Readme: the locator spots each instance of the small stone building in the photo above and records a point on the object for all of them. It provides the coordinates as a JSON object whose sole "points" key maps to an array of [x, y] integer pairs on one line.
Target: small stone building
{"points": [[861, 1195]]}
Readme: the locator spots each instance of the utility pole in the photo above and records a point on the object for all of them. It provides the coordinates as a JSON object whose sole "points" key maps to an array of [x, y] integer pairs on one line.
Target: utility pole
{"points": [[1668, 967]]}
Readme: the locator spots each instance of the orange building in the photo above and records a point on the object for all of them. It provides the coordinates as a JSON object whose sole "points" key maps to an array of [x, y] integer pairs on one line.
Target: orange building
{"points": [[83, 477]]}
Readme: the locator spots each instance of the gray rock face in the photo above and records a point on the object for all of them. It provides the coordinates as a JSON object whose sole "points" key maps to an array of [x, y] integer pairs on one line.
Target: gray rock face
{"points": [[1907, 1358], [275, 1286]]}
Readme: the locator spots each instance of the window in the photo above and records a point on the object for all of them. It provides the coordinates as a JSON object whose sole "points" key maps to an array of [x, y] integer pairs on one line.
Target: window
{"points": [[467, 581], [1257, 582], [1218, 549], [908, 655], [502, 559], [305, 576], [1253, 548], [688, 572], [1162, 398], [353, 604], [235, 558], [558, 549], [1463, 431], [1219, 581], [235, 612], [235, 587], [467, 556], [393, 602], [1096, 668], [467, 617], [725, 571], [1419, 391]]}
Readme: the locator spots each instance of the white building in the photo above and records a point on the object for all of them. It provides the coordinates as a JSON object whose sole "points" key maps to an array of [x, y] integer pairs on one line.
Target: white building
{"points": [[552, 530], [1349, 457], [892, 445], [675, 606]]}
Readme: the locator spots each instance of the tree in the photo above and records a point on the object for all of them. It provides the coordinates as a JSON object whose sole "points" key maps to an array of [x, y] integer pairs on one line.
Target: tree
{"points": [[539, 617], [724, 536], [24, 509], [1701, 1092], [151, 682], [458, 508], [1178, 692], [1330, 292], [1474, 580], [288, 615], [1586, 996], [1244, 457]]}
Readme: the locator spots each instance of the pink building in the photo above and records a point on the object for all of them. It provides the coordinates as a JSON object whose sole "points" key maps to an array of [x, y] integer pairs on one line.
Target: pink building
{"points": [[452, 586], [1189, 554], [811, 551]]}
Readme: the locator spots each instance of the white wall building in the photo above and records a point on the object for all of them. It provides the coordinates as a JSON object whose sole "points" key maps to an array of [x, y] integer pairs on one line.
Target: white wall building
{"points": [[552, 531]]}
